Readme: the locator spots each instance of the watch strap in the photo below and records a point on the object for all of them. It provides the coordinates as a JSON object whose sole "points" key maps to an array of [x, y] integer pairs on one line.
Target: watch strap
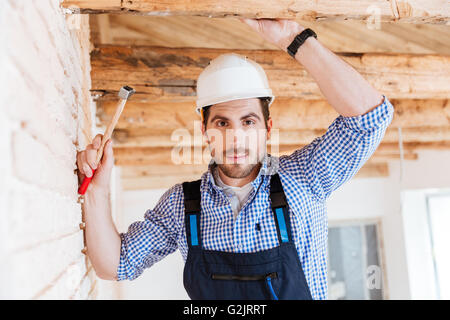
{"points": [[299, 40]]}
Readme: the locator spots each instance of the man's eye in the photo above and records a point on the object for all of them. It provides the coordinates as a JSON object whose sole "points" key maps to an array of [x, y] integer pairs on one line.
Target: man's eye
{"points": [[249, 122], [221, 123]]}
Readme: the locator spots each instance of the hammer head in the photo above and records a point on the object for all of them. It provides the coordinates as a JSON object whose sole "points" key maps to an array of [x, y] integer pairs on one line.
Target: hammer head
{"points": [[126, 92]]}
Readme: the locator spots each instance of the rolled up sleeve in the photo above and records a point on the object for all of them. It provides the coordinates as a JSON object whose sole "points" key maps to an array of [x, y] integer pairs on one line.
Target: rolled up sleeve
{"points": [[335, 157], [147, 242]]}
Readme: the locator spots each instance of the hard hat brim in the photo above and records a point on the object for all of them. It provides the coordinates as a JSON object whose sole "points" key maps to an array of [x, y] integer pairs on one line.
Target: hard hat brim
{"points": [[202, 104]]}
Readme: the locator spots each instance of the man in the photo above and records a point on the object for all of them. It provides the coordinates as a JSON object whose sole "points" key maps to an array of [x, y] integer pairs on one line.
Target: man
{"points": [[254, 226]]}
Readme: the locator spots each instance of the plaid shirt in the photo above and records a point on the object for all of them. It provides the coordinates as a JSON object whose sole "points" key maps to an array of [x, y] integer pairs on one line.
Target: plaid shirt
{"points": [[308, 176]]}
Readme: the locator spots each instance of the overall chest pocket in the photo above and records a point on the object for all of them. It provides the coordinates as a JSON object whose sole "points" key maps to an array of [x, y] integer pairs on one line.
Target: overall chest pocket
{"points": [[261, 278]]}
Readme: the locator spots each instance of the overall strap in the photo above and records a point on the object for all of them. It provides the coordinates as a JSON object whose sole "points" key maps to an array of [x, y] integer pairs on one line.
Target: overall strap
{"points": [[192, 209], [280, 209]]}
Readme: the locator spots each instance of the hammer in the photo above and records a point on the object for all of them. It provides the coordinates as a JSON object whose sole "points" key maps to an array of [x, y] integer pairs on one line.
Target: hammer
{"points": [[124, 94]]}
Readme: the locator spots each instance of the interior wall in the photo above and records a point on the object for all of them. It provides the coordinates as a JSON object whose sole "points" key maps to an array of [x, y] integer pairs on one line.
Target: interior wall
{"points": [[46, 114], [164, 280]]}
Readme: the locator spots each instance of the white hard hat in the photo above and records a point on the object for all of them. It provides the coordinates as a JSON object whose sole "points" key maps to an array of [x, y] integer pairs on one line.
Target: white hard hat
{"points": [[231, 76]]}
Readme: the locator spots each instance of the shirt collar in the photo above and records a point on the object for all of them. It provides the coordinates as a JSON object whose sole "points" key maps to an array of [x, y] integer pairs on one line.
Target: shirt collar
{"points": [[270, 165]]}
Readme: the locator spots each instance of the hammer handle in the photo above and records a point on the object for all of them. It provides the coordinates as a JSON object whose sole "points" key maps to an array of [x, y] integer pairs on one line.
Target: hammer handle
{"points": [[83, 187], [109, 129]]}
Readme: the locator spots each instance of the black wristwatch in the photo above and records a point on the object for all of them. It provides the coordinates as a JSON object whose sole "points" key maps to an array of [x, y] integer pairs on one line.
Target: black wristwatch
{"points": [[298, 41]]}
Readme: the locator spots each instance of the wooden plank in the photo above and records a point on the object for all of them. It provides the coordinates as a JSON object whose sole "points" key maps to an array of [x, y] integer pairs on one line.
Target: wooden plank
{"points": [[141, 137], [409, 135], [130, 172], [377, 157], [288, 113], [338, 36], [160, 156], [104, 28], [134, 172], [413, 11], [373, 170], [91, 6], [135, 179], [167, 74], [414, 146], [159, 182], [167, 156]]}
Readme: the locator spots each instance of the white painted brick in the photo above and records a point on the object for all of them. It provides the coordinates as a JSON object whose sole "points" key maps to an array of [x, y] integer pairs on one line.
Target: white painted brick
{"points": [[34, 163], [5, 181], [108, 290], [69, 284], [39, 215], [28, 113], [84, 287], [60, 33], [37, 268], [39, 63]]}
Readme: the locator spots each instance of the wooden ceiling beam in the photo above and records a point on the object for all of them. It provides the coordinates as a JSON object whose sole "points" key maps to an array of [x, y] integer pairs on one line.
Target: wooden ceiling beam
{"points": [[104, 28], [412, 11], [141, 137], [200, 156], [170, 74], [338, 36], [288, 113]]}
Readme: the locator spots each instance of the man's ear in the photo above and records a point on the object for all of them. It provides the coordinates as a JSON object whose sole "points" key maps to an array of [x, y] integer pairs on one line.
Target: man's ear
{"points": [[269, 127], [205, 134]]}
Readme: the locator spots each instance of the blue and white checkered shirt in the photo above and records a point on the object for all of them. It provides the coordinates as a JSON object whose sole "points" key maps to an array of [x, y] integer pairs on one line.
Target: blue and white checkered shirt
{"points": [[308, 176]]}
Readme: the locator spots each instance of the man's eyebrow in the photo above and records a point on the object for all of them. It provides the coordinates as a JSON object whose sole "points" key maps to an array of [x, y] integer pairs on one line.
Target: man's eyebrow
{"points": [[251, 114], [219, 117]]}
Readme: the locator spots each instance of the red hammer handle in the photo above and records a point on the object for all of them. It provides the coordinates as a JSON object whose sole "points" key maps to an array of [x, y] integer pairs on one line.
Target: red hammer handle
{"points": [[84, 185]]}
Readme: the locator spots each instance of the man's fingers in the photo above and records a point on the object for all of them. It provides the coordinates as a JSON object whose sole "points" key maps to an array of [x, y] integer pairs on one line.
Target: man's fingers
{"points": [[87, 170], [97, 141], [87, 159], [108, 156], [251, 22], [80, 163], [91, 158], [85, 165]]}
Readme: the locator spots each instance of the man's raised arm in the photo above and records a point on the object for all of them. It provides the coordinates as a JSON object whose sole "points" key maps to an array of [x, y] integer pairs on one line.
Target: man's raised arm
{"points": [[364, 113], [342, 86]]}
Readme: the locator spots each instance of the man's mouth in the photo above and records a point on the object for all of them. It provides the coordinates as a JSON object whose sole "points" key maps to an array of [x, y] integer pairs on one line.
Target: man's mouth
{"points": [[237, 157]]}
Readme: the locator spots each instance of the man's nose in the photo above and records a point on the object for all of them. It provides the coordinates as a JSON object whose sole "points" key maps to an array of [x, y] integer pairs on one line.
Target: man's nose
{"points": [[241, 140], [235, 136]]}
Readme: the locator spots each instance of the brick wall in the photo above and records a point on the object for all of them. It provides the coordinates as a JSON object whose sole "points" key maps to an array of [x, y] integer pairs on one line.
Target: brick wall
{"points": [[46, 114]]}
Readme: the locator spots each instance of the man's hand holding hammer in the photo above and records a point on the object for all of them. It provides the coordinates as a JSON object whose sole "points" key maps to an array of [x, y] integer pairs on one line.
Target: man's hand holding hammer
{"points": [[87, 164]]}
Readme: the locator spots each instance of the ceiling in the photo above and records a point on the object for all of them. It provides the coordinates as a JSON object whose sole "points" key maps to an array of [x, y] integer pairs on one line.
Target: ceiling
{"points": [[161, 56]]}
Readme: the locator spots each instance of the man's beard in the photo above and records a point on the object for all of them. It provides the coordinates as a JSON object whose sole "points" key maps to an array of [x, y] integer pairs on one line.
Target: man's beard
{"points": [[237, 171], [240, 170]]}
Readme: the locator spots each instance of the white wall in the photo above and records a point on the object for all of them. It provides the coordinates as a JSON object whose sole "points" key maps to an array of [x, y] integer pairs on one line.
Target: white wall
{"points": [[164, 280], [45, 114], [404, 231], [419, 250], [362, 198], [377, 198]]}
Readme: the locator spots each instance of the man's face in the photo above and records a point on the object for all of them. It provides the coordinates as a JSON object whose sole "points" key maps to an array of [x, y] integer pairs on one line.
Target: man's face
{"points": [[237, 136]]}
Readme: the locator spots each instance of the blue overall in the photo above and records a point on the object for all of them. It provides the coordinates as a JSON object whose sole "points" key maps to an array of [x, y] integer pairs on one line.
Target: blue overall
{"points": [[269, 274]]}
